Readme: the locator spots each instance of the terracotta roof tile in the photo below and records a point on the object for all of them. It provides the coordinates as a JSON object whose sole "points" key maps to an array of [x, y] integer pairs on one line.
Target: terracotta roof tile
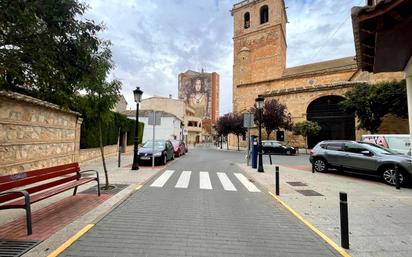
{"points": [[347, 63]]}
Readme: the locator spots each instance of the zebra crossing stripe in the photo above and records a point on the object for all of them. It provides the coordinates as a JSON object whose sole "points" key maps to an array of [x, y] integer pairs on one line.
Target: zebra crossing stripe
{"points": [[184, 179], [162, 179], [249, 185], [205, 180], [226, 183]]}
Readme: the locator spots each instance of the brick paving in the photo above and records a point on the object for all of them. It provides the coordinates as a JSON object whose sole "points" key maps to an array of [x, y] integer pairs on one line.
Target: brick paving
{"points": [[170, 221], [52, 218]]}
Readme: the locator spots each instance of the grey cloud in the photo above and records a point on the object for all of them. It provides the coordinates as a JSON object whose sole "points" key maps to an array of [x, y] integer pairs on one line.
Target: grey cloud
{"points": [[153, 41]]}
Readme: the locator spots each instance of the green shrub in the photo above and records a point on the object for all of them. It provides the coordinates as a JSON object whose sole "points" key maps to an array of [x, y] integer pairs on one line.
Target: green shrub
{"points": [[90, 134]]}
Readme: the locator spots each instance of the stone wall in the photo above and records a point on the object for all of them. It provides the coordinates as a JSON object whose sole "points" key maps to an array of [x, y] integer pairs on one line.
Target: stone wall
{"points": [[94, 153], [36, 134]]}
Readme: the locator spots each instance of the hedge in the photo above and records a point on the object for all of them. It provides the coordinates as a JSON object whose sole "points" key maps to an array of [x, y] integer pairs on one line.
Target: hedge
{"points": [[90, 132]]}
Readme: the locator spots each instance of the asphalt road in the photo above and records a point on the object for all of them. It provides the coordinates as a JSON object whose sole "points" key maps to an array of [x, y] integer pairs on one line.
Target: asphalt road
{"points": [[202, 205]]}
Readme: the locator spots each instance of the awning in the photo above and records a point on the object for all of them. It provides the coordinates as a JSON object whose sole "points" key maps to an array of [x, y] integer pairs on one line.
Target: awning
{"points": [[383, 35]]}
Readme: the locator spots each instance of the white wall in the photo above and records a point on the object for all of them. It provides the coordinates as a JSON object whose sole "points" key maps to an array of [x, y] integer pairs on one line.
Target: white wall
{"points": [[169, 127]]}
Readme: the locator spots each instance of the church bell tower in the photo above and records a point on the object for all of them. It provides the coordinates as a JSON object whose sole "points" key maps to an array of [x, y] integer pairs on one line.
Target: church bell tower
{"points": [[259, 42]]}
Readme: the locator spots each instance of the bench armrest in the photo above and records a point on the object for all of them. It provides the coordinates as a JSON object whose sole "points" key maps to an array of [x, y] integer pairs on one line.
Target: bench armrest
{"points": [[24, 193], [95, 171]]}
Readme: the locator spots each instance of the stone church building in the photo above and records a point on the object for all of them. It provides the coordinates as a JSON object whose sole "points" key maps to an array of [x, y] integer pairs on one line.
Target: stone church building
{"points": [[311, 91]]}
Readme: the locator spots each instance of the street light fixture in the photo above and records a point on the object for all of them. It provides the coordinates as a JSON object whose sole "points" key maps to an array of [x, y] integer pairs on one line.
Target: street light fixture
{"points": [[259, 105], [137, 98]]}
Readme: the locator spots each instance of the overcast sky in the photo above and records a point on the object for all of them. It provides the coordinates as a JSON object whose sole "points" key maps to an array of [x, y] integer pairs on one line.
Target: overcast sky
{"points": [[154, 40]]}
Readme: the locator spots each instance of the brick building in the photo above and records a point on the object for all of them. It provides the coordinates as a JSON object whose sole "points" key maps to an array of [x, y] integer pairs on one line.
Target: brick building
{"points": [[311, 91]]}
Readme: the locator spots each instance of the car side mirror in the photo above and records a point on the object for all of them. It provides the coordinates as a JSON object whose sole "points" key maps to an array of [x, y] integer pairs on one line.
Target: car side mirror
{"points": [[367, 153]]}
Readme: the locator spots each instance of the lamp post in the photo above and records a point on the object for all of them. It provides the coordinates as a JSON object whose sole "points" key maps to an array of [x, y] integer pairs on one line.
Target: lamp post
{"points": [[259, 105], [137, 98]]}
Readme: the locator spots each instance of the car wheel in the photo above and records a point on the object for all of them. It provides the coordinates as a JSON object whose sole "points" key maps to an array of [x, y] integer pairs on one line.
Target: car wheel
{"points": [[320, 165], [389, 176], [164, 159], [288, 152]]}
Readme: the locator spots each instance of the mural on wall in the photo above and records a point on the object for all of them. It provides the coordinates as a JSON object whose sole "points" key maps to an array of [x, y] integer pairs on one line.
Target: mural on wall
{"points": [[195, 89]]}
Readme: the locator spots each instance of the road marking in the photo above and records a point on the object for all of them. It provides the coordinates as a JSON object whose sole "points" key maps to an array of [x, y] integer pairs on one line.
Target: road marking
{"points": [[226, 183], [71, 240], [161, 181], [249, 185], [205, 180], [184, 179], [314, 229]]}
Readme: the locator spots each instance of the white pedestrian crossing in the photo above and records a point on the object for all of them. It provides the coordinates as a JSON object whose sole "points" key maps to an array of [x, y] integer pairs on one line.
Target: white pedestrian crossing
{"points": [[184, 179], [161, 181], [205, 180], [226, 183], [249, 185]]}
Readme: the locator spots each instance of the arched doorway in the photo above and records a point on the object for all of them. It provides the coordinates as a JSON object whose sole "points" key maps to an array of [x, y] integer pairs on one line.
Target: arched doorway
{"points": [[335, 123]]}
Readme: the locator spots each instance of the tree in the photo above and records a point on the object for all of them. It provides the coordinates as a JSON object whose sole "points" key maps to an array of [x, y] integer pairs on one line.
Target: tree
{"points": [[237, 126], [224, 126], [275, 117], [372, 102], [305, 129], [46, 48], [101, 96]]}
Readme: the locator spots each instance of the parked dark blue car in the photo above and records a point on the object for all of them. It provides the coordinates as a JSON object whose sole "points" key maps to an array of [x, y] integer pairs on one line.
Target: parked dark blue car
{"points": [[163, 151]]}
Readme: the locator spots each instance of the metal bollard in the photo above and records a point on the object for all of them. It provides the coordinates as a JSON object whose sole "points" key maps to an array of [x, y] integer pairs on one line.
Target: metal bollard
{"points": [[277, 180], [270, 158], [397, 177], [344, 224], [313, 166]]}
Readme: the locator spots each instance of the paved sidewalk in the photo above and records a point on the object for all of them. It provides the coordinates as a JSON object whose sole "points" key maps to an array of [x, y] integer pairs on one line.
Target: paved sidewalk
{"points": [[380, 221], [204, 216]]}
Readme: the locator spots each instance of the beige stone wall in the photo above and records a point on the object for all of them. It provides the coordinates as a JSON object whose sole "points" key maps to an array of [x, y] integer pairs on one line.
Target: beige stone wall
{"points": [[244, 95], [35, 134], [94, 153]]}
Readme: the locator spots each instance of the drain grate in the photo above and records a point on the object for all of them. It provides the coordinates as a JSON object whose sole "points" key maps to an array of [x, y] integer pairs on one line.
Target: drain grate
{"points": [[10, 248], [297, 184], [117, 189], [309, 192]]}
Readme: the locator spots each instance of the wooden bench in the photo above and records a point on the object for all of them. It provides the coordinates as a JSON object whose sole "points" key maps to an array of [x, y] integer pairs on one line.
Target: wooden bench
{"points": [[23, 189]]}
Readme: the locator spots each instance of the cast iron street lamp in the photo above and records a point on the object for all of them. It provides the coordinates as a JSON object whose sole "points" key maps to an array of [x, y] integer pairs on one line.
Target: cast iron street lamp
{"points": [[137, 98], [259, 105]]}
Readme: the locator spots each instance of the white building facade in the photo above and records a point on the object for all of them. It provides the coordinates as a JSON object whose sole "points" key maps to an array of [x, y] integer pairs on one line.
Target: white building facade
{"points": [[171, 127]]}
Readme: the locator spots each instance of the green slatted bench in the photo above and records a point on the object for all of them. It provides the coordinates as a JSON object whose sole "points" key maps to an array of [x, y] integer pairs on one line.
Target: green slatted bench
{"points": [[23, 189]]}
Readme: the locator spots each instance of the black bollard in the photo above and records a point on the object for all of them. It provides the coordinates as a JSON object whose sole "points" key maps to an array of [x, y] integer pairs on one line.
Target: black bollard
{"points": [[344, 224], [397, 177], [277, 180], [313, 166], [270, 159]]}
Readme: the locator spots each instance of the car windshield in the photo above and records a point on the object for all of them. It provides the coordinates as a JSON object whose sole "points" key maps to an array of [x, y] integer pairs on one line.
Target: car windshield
{"points": [[157, 144], [379, 149]]}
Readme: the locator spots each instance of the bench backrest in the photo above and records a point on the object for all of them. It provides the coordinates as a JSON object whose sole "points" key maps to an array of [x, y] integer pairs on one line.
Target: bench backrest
{"points": [[67, 172]]}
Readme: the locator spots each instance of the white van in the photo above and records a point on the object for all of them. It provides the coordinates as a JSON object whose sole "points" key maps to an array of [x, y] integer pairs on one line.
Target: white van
{"points": [[398, 142]]}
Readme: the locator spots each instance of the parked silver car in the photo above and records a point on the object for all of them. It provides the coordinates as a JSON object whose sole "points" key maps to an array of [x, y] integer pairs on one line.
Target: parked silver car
{"points": [[362, 157]]}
